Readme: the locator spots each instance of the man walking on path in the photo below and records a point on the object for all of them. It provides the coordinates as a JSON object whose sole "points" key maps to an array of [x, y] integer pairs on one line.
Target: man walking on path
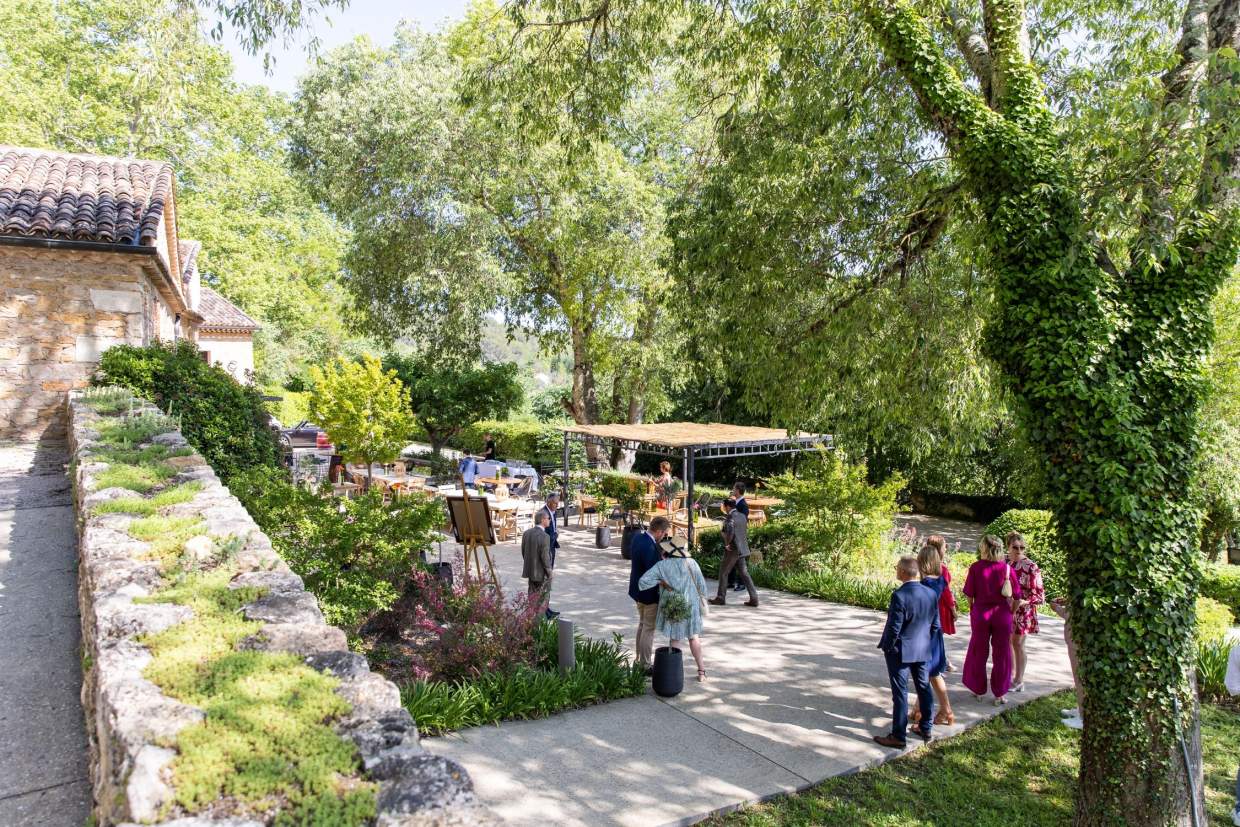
{"points": [[537, 563], [912, 622], [645, 553], [738, 494], [735, 553]]}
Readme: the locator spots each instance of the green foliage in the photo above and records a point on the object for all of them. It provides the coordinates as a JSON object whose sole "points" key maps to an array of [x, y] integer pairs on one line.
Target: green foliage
{"points": [[1222, 583], [536, 443], [355, 555], [837, 516], [603, 673], [267, 739], [1214, 620], [1212, 658], [225, 420], [363, 408], [446, 396], [551, 404], [141, 478], [1041, 544], [293, 407], [1218, 485]]}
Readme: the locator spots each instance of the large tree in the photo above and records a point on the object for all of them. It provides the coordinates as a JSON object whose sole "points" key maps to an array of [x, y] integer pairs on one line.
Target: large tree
{"points": [[455, 214], [1086, 156]]}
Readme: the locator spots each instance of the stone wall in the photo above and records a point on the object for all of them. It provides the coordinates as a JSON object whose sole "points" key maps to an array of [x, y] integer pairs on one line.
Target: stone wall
{"points": [[132, 726], [59, 310]]}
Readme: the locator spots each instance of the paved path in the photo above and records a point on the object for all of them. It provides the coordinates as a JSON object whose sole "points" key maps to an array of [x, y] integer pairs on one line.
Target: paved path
{"points": [[796, 689], [43, 776]]}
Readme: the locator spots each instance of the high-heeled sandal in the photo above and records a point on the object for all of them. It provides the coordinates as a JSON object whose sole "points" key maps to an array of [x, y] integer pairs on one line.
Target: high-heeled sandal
{"points": [[701, 676], [915, 716], [944, 717]]}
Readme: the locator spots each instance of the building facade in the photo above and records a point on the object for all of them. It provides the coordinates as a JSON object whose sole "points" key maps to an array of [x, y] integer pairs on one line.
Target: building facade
{"points": [[89, 258]]}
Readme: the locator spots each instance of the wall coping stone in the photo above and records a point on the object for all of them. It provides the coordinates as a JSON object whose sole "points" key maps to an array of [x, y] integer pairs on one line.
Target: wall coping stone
{"points": [[132, 725]]}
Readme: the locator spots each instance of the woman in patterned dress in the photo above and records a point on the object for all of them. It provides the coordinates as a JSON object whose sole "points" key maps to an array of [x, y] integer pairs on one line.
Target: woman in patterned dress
{"points": [[678, 572], [1025, 613]]}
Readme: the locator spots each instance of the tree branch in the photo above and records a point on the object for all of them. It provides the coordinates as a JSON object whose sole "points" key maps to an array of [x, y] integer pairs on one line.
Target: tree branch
{"points": [[1017, 89], [1219, 189], [1180, 85], [972, 45]]}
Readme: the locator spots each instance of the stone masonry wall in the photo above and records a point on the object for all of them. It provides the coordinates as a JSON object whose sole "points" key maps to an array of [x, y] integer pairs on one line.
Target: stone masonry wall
{"points": [[131, 723], [59, 309]]}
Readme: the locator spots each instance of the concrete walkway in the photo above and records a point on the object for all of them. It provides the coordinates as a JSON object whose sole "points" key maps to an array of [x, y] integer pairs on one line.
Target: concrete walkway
{"points": [[43, 776], [796, 689]]}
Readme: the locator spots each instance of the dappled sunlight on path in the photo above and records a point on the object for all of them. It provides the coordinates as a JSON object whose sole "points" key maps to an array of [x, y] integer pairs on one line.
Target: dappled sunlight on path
{"points": [[796, 689]]}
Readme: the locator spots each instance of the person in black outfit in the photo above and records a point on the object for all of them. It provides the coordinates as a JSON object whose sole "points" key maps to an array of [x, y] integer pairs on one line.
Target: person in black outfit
{"points": [[488, 447]]}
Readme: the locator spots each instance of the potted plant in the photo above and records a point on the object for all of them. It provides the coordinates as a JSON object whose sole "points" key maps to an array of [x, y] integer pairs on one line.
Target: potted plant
{"points": [[602, 532], [631, 503], [668, 675]]}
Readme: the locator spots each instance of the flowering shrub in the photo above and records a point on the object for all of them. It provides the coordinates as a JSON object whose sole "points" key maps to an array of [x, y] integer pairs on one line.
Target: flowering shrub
{"points": [[467, 630]]}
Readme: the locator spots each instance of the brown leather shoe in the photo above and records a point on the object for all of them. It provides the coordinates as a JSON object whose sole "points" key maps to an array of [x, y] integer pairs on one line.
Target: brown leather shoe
{"points": [[717, 601], [753, 603], [890, 741]]}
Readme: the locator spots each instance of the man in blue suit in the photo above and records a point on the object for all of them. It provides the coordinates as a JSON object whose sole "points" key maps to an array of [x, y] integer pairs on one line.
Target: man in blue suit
{"points": [[644, 552], [912, 624]]}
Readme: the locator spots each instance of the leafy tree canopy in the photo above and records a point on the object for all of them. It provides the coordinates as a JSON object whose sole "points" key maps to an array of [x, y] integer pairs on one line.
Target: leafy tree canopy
{"points": [[364, 409]]}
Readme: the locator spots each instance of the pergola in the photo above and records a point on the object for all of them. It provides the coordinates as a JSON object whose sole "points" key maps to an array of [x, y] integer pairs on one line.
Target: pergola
{"points": [[690, 442]]}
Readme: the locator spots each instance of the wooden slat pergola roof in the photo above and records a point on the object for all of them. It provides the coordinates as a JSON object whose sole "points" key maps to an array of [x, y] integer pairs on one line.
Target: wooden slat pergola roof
{"points": [[708, 437]]}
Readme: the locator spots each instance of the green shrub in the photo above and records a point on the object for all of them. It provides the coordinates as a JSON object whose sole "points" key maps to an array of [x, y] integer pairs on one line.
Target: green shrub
{"points": [[1222, 583], [225, 420], [602, 673], [355, 555], [1214, 620], [1212, 658], [1041, 544], [840, 520], [535, 442]]}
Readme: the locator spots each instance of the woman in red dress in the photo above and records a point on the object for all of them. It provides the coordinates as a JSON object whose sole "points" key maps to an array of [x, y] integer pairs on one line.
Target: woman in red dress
{"points": [[947, 600], [1025, 612]]}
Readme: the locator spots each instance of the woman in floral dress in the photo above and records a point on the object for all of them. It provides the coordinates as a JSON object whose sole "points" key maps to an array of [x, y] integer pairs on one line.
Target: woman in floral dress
{"points": [[1025, 612], [678, 573]]}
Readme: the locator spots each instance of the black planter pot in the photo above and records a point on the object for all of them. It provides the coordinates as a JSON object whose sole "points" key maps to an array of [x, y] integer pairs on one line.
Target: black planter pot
{"points": [[602, 536], [626, 539], [1233, 555], [668, 679], [444, 572]]}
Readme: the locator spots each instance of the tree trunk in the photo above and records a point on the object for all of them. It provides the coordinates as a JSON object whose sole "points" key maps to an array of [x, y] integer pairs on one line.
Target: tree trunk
{"points": [[1105, 369], [585, 396]]}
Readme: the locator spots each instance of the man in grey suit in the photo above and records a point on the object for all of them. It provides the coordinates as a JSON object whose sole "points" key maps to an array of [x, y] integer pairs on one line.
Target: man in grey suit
{"points": [[537, 563], [735, 553]]}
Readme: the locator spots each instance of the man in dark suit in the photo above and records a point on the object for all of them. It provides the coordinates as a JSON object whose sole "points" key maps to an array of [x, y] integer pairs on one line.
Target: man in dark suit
{"points": [[644, 552], [912, 624], [537, 566], [553, 502], [738, 494]]}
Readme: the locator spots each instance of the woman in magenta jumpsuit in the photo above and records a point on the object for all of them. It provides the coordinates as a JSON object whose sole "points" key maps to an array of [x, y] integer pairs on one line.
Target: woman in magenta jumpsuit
{"points": [[990, 617]]}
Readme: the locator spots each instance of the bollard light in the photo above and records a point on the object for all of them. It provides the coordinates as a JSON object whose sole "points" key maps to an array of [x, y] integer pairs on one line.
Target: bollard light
{"points": [[568, 651]]}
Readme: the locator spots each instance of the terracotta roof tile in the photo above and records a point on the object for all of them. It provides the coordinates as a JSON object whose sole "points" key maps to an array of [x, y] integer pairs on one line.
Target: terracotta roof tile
{"points": [[82, 197], [219, 313], [188, 251]]}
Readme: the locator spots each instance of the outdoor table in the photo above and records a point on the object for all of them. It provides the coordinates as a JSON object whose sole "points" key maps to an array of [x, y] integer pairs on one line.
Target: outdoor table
{"points": [[760, 505], [497, 480]]}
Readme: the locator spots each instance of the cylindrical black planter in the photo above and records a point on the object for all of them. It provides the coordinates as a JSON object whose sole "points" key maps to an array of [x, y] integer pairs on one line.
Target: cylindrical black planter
{"points": [[626, 539], [444, 572], [602, 536], [1233, 555], [669, 672]]}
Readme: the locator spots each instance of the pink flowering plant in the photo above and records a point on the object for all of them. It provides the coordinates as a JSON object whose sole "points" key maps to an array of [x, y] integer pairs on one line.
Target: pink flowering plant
{"points": [[466, 630]]}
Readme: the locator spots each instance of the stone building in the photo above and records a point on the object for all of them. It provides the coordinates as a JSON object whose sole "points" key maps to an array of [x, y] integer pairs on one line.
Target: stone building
{"points": [[90, 257]]}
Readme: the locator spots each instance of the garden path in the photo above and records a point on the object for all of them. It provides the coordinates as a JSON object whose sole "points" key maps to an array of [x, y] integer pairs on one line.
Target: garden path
{"points": [[43, 778], [796, 689]]}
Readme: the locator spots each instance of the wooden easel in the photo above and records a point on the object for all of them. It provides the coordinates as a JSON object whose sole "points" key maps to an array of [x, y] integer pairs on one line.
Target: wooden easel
{"points": [[477, 539]]}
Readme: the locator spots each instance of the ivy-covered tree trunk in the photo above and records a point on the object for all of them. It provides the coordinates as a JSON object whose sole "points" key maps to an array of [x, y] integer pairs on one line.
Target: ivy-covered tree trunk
{"points": [[1106, 370]]}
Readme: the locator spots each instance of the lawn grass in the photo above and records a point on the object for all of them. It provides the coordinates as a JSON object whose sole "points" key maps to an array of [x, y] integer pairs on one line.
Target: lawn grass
{"points": [[1017, 769]]}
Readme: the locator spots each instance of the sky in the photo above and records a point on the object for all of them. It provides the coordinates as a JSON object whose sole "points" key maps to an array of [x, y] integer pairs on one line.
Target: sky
{"points": [[376, 18]]}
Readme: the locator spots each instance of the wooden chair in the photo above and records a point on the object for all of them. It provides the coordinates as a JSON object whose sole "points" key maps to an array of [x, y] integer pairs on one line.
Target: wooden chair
{"points": [[398, 468], [587, 507]]}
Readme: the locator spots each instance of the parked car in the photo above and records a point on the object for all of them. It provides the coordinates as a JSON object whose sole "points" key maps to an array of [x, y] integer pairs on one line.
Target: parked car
{"points": [[305, 434]]}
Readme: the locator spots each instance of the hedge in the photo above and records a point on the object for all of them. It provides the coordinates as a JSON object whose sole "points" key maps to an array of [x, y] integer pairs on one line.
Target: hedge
{"points": [[539, 444], [1041, 544], [1222, 583]]}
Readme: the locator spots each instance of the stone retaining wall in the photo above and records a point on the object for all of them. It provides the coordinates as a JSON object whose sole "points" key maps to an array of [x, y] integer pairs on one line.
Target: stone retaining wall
{"points": [[132, 725]]}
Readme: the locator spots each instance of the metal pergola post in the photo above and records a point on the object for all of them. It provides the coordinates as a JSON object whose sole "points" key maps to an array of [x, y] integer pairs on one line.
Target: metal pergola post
{"points": [[689, 505], [564, 488]]}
